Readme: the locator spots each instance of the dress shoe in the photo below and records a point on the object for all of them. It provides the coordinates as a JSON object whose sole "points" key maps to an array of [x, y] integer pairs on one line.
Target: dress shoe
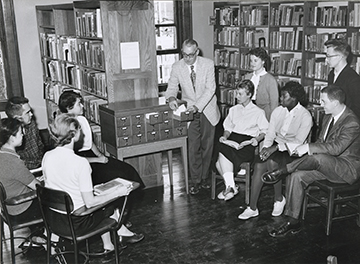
{"points": [[230, 193], [194, 190], [131, 239], [273, 177], [286, 229], [205, 185]]}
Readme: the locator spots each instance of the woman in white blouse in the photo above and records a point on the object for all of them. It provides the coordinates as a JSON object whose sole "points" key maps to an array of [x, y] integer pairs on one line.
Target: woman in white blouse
{"points": [[244, 127]]}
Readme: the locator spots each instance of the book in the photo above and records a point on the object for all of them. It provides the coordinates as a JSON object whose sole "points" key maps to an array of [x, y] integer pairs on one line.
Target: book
{"points": [[110, 186], [236, 145], [291, 148]]}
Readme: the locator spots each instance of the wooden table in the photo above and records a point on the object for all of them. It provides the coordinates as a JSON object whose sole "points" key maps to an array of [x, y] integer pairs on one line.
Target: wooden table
{"points": [[159, 146]]}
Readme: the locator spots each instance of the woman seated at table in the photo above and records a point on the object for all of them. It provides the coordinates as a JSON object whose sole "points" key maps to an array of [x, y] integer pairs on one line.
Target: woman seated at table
{"points": [[244, 127], [103, 168], [14, 175], [289, 123], [64, 170]]}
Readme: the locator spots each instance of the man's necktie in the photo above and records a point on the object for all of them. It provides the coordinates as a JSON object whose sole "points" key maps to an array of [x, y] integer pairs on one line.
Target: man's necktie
{"points": [[330, 127], [193, 76]]}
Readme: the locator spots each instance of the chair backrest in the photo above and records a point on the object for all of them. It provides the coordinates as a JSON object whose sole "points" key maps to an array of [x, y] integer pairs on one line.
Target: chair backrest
{"points": [[50, 201], [3, 210]]}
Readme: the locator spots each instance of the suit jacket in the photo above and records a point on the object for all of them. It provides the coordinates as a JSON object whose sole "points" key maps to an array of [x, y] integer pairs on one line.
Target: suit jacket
{"points": [[203, 97], [349, 81], [343, 142]]}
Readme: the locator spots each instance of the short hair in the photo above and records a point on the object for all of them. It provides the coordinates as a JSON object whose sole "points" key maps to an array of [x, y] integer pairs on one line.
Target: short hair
{"points": [[296, 91], [263, 55], [9, 127], [190, 42], [64, 128], [67, 100], [334, 92], [247, 85], [340, 45], [14, 106]]}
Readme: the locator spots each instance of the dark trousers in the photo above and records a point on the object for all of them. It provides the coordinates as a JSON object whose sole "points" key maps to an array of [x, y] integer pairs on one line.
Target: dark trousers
{"points": [[201, 139], [305, 171]]}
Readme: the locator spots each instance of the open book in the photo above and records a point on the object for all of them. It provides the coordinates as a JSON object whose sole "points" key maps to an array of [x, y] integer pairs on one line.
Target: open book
{"points": [[236, 145], [109, 186], [291, 148]]}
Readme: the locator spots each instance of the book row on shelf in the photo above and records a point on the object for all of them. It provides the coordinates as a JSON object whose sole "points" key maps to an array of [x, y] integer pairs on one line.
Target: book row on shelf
{"points": [[317, 68], [354, 16], [328, 16], [88, 23], [228, 77], [96, 131], [227, 58], [286, 40], [287, 15], [254, 15], [89, 53], [91, 106], [64, 72], [94, 82], [285, 64], [315, 42]]}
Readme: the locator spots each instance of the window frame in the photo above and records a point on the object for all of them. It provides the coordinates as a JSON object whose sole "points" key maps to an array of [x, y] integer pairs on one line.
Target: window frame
{"points": [[10, 52], [183, 25]]}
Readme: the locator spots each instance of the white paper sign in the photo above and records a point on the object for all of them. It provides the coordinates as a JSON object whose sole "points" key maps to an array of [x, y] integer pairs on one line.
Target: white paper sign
{"points": [[130, 55]]}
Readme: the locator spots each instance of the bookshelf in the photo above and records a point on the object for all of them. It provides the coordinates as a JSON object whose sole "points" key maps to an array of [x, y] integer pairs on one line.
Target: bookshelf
{"points": [[106, 51], [292, 32]]}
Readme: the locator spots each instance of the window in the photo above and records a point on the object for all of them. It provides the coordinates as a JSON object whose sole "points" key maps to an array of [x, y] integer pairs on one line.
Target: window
{"points": [[171, 29]]}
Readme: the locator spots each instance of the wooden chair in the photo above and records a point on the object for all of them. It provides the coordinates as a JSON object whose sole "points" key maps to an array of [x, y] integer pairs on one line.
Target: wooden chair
{"points": [[50, 199], [337, 194], [13, 224], [238, 179]]}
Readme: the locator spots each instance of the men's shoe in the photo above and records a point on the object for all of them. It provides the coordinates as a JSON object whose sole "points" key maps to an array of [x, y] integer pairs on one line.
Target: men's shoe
{"points": [[230, 193], [194, 190], [273, 177], [286, 229], [248, 213], [131, 239], [205, 185], [279, 207]]}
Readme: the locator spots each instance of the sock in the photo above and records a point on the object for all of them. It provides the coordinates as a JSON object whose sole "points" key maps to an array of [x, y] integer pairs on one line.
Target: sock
{"points": [[229, 179], [123, 231]]}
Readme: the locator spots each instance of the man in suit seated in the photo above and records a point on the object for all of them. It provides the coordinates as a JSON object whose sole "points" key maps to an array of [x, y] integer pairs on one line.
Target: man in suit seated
{"points": [[196, 76], [333, 157]]}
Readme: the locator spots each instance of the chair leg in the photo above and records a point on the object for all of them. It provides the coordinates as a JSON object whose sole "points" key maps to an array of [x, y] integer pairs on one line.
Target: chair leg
{"points": [[305, 203], [2, 240], [76, 252], [213, 184], [116, 239], [247, 184], [330, 212], [12, 245]]}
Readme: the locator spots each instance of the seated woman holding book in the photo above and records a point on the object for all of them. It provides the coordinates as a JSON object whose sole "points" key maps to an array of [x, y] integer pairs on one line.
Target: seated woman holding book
{"points": [[290, 123], [103, 168], [244, 127], [64, 170]]}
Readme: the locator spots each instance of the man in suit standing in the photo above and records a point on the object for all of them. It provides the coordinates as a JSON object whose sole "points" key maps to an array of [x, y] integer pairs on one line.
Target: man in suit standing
{"points": [[333, 157], [196, 77], [339, 57]]}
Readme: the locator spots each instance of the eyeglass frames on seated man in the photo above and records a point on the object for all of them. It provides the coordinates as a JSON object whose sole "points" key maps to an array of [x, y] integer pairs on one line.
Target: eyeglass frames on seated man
{"points": [[190, 56]]}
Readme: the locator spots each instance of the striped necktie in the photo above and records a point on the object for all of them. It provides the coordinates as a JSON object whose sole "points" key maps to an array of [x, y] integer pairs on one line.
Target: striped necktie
{"points": [[193, 76]]}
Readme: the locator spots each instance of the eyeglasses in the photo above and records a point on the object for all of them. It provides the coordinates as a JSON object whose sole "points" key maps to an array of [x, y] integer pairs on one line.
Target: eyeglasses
{"points": [[189, 56], [331, 56]]}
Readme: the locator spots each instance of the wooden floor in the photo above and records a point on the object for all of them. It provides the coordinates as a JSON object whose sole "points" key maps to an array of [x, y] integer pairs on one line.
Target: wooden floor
{"points": [[181, 228]]}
